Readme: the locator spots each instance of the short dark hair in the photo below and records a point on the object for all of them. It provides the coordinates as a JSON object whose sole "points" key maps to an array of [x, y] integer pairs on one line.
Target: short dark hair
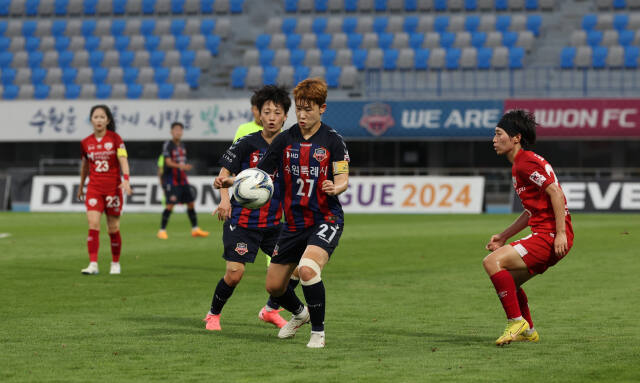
{"points": [[254, 99], [176, 123], [520, 122], [112, 124], [276, 94]]}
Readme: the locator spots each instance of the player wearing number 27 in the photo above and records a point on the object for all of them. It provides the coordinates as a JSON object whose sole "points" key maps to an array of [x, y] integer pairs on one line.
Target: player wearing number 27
{"points": [[545, 211], [104, 157]]}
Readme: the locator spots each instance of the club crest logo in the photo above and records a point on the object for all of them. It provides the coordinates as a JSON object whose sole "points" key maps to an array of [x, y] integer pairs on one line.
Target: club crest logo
{"points": [[93, 202], [108, 145], [537, 178], [275, 251], [377, 118], [241, 248], [320, 154]]}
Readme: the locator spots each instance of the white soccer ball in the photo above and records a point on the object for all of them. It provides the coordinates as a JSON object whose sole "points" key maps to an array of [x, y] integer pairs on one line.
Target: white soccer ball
{"points": [[252, 188]]}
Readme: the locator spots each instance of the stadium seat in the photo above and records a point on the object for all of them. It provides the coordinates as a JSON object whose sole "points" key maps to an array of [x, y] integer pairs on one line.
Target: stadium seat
{"points": [[29, 28], [266, 57], [7, 76], [583, 57], [327, 57], [349, 25], [291, 5], [369, 41], [297, 57], [501, 5], [99, 75], [269, 75], [177, 26], [6, 58], [88, 26], [10, 92], [35, 59], [589, 21], [354, 40], [385, 40], [289, 25], [447, 39], [32, 44], [58, 28], [160, 75], [625, 38], [452, 58], [293, 41], [483, 57], [509, 39], [332, 76], [312, 58], [531, 5], [441, 23], [380, 24], [615, 57], [533, 24], [516, 55], [390, 59], [631, 54], [344, 57], [359, 58], [300, 73], [236, 6], [503, 22], [281, 57], [594, 38], [324, 41], [212, 43], [192, 76], [263, 41]]}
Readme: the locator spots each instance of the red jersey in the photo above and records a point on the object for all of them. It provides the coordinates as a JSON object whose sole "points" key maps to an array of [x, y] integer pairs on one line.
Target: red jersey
{"points": [[531, 174], [104, 167]]}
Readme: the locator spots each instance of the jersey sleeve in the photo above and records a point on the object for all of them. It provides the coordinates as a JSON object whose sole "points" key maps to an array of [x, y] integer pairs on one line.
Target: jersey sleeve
{"points": [[339, 154], [83, 152], [166, 149], [271, 159], [536, 174], [121, 150], [232, 158]]}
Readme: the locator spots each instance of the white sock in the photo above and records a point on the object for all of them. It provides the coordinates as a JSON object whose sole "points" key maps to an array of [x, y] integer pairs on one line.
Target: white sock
{"points": [[93, 263], [318, 332], [515, 319], [302, 314], [530, 331]]}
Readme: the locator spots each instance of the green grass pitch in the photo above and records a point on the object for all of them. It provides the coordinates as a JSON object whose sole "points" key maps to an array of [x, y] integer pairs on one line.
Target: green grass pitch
{"points": [[407, 301]]}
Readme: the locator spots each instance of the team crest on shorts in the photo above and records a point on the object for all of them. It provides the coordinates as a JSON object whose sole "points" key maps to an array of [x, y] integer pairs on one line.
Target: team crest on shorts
{"points": [[320, 154], [93, 202], [275, 251], [241, 248], [108, 145]]}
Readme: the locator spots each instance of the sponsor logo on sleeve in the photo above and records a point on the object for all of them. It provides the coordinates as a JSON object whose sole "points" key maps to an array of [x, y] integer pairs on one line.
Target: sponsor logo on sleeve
{"points": [[537, 178]]}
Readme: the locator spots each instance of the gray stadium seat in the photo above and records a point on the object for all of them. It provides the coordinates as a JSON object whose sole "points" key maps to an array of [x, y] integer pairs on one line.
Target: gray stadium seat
{"points": [[304, 24], [578, 38], [396, 24], [615, 57], [115, 75], [106, 43], [26, 92], [14, 28], [425, 23], [633, 4], [16, 8], [197, 42], [172, 58], [141, 58], [285, 76], [181, 90], [50, 59], [136, 43], [525, 40], [192, 26], [46, 8], [603, 4], [87, 91], [282, 57], [395, 5], [221, 6], [308, 41], [335, 5], [636, 38], [74, 28], [609, 38], [469, 58], [405, 58], [44, 27], [23, 76], [400, 40], [518, 23], [365, 5], [274, 25], [167, 42], [369, 41], [463, 39], [365, 24], [317, 71], [76, 43], [203, 59], [374, 58], [103, 27], [455, 5], [339, 41], [344, 57], [334, 25], [20, 60], [176, 74], [57, 91], [111, 58], [223, 27], [583, 57], [456, 23], [251, 57], [305, 5], [75, 7], [191, 7], [163, 7], [47, 43], [17, 44], [485, 5], [54, 76], [150, 91], [254, 77], [104, 7], [425, 5], [312, 57], [118, 91], [546, 5], [494, 39], [500, 58], [487, 23], [133, 27], [605, 21], [84, 75], [431, 40], [436, 58], [145, 75], [516, 5], [634, 20], [278, 41], [163, 26]]}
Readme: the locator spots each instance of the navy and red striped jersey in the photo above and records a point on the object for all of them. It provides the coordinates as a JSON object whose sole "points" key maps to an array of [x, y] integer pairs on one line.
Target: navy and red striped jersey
{"points": [[243, 154], [177, 153], [302, 166]]}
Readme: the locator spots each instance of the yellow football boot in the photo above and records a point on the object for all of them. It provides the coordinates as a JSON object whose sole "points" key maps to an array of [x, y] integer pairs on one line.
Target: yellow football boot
{"points": [[197, 232], [511, 332], [523, 337], [162, 234]]}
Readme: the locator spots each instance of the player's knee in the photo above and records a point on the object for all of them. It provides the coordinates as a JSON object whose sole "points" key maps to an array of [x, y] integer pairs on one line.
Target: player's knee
{"points": [[233, 276], [309, 271], [275, 289]]}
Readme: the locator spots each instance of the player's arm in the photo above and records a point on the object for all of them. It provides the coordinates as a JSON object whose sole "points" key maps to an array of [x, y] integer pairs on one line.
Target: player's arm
{"points": [[172, 164], [340, 179], [224, 208], [498, 240], [124, 167], [84, 171], [557, 202]]}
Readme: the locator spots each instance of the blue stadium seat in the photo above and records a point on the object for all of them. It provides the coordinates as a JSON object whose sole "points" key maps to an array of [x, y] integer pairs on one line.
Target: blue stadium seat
{"points": [[631, 56], [269, 75], [95, 58], [589, 21], [236, 6], [470, 5], [90, 7], [38, 75], [327, 57], [484, 57], [182, 42], [5, 42], [119, 7], [291, 5], [620, 21], [332, 76], [130, 74], [354, 40], [293, 41], [380, 24], [289, 25], [323, 41], [103, 90], [121, 43], [151, 42], [350, 6], [177, 7], [148, 7], [147, 27], [440, 5], [134, 91], [72, 91], [207, 26], [390, 59], [531, 5], [5, 59], [29, 28], [160, 74], [533, 24], [31, 44], [206, 6], [88, 26], [380, 5], [60, 7], [263, 41], [385, 40], [31, 7], [447, 39], [126, 58], [503, 22], [297, 57], [91, 43], [69, 75], [212, 42], [625, 37], [501, 5], [118, 26], [35, 59], [359, 57], [266, 57], [619, 4], [187, 57], [11, 92], [300, 73], [599, 57], [416, 40], [471, 23], [410, 5], [319, 25], [156, 58], [509, 39], [349, 24], [58, 28], [8, 75], [410, 24], [421, 58], [177, 26], [516, 54], [594, 38], [441, 24], [452, 58], [65, 58], [192, 76], [478, 39], [321, 5], [4, 7], [99, 75], [3, 27]]}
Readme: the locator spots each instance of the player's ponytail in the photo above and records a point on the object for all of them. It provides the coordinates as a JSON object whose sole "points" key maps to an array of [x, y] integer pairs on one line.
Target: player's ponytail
{"points": [[112, 124], [520, 122]]}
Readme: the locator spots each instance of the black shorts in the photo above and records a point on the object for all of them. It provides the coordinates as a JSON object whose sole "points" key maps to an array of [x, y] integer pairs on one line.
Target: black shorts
{"points": [[175, 194], [292, 244], [242, 244]]}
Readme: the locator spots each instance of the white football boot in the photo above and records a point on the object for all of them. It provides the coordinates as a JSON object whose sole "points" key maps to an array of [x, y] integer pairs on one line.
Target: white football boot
{"points": [[289, 330], [115, 268], [92, 269], [316, 340]]}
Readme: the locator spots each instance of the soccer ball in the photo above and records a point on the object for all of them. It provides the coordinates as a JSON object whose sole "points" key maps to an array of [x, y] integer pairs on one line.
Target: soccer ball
{"points": [[252, 188]]}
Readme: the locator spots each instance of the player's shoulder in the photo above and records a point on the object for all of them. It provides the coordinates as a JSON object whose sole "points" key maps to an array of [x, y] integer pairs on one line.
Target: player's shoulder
{"points": [[529, 157], [113, 135]]}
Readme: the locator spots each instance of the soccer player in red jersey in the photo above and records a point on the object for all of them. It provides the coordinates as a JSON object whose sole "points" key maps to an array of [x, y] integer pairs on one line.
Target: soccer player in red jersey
{"points": [[104, 157], [545, 211]]}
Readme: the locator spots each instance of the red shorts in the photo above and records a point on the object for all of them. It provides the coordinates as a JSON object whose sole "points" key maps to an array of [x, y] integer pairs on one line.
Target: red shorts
{"points": [[110, 203], [538, 252]]}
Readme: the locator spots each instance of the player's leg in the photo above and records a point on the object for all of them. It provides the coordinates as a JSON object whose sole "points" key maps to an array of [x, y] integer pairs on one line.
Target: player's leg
{"points": [[498, 265], [270, 312], [282, 293], [232, 276], [93, 239], [310, 267], [113, 226], [166, 213], [191, 212], [530, 335]]}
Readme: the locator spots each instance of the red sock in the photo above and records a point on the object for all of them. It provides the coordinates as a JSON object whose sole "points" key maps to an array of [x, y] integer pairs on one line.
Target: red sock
{"points": [[93, 243], [116, 245], [524, 307], [506, 289]]}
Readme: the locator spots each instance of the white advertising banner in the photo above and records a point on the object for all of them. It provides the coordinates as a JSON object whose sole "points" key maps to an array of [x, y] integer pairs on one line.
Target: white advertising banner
{"points": [[136, 120], [414, 195]]}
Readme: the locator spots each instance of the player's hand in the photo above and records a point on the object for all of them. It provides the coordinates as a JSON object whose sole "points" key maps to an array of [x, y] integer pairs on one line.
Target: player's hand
{"points": [[223, 182], [223, 210], [495, 243], [80, 194], [328, 187], [560, 245], [126, 187], [187, 167]]}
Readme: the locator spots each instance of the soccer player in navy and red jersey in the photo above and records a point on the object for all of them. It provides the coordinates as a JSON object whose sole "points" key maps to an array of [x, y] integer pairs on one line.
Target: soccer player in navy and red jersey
{"points": [[104, 157], [246, 231], [545, 211], [175, 183]]}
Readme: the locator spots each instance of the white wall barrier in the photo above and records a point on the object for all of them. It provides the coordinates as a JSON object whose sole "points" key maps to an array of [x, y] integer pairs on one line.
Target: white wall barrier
{"points": [[415, 195]]}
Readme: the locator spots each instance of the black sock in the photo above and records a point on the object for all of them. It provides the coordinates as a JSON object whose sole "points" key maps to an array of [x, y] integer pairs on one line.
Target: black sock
{"points": [[314, 294], [220, 296], [292, 285], [192, 217], [165, 218], [289, 301]]}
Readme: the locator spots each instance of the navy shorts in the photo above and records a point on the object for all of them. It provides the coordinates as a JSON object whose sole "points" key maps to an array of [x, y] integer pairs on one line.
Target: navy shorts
{"points": [[175, 194], [242, 244], [292, 244]]}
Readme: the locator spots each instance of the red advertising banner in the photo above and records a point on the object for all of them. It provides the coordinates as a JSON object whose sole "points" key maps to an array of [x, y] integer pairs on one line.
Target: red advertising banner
{"points": [[583, 118]]}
